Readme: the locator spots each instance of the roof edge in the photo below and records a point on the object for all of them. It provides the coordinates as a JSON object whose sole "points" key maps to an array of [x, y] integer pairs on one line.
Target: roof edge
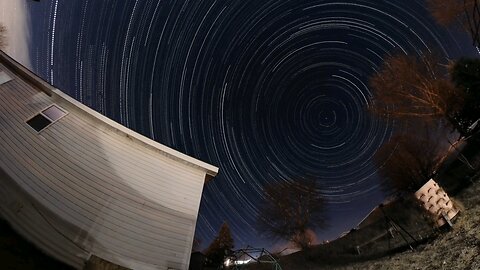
{"points": [[51, 91], [211, 170], [27, 74]]}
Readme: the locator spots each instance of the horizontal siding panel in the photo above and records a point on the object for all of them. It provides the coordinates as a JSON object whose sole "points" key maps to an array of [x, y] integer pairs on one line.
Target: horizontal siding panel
{"points": [[39, 169], [104, 196], [36, 225], [143, 172], [106, 215], [58, 133]]}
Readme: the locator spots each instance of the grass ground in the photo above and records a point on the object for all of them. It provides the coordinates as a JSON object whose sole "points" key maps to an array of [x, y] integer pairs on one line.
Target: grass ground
{"points": [[458, 248]]}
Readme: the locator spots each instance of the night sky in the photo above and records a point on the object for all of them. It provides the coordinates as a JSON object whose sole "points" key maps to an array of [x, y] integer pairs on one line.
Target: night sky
{"points": [[265, 90]]}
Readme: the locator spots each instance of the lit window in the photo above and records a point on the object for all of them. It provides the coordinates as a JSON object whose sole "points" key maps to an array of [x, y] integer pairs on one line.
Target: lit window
{"points": [[54, 113], [46, 117]]}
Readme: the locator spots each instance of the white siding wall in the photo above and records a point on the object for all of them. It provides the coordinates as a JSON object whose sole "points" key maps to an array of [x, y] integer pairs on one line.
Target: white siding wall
{"points": [[105, 193]]}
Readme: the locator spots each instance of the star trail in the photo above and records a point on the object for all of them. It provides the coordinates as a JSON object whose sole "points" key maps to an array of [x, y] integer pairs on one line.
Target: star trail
{"points": [[267, 90]]}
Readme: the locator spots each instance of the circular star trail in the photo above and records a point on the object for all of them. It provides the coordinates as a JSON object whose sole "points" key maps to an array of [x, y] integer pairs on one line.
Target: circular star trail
{"points": [[267, 90]]}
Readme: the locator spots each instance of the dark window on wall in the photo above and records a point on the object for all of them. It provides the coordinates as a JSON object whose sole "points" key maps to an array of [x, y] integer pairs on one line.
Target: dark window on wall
{"points": [[46, 117], [39, 122]]}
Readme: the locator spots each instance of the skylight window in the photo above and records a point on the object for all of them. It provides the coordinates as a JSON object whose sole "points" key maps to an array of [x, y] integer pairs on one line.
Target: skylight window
{"points": [[46, 117]]}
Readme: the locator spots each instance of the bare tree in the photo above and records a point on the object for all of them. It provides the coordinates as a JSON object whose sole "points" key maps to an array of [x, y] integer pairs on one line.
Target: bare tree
{"points": [[3, 37], [410, 159], [291, 211], [464, 12], [221, 246], [415, 87]]}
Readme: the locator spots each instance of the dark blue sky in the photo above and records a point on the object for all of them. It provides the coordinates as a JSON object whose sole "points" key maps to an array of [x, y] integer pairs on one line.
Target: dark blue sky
{"points": [[267, 90]]}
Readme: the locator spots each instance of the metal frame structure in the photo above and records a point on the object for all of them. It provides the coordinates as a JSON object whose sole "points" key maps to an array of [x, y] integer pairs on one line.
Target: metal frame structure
{"points": [[258, 255], [391, 223]]}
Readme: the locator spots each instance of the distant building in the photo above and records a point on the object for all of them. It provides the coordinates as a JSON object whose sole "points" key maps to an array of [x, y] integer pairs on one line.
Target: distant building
{"points": [[79, 185]]}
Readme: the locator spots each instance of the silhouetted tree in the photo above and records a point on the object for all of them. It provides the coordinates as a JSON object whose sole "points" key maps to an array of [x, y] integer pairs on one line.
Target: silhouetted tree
{"points": [[464, 12], [291, 211], [465, 74], [407, 161], [221, 246], [197, 242], [415, 87], [3, 37]]}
